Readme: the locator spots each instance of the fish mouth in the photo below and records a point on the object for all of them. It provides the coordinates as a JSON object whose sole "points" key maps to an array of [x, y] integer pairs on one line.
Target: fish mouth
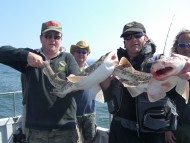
{"points": [[161, 74]]}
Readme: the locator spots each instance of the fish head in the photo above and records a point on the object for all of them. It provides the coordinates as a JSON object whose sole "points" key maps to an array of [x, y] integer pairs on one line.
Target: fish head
{"points": [[167, 67], [111, 59]]}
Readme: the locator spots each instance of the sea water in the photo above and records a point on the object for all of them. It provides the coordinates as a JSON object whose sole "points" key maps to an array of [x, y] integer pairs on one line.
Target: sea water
{"points": [[10, 82]]}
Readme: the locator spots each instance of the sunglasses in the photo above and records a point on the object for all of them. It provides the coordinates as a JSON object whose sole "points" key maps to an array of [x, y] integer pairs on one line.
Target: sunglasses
{"points": [[78, 51], [135, 35], [50, 36], [184, 45]]}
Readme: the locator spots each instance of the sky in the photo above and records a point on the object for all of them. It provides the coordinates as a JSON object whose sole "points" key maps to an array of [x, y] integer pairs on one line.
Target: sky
{"points": [[98, 22]]}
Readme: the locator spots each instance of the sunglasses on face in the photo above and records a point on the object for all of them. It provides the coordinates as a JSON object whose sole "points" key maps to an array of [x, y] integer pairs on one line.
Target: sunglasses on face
{"points": [[184, 45], [50, 36], [78, 51], [135, 35]]}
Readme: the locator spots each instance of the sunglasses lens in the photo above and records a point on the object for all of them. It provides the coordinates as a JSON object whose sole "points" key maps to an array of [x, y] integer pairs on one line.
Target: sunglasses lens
{"points": [[182, 45], [78, 51], [136, 35], [127, 37], [84, 52], [57, 37], [49, 36]]}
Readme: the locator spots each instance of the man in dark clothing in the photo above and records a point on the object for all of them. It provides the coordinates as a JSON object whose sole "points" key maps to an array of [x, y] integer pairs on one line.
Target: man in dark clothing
{"points": [[126, 123], [50, 119]]}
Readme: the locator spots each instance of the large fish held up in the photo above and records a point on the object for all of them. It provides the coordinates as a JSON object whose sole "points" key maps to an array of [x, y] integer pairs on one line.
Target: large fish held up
{"points": [[89, 79], [163, 78]]}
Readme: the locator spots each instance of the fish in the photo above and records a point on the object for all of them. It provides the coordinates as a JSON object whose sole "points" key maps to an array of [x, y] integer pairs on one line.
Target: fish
{"points": [[89, 79], [161, 79], [165, 71]]}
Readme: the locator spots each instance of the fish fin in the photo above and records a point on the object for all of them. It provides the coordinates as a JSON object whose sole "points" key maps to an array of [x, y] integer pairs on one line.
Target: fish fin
{"points": [[155, 90], [75, 79], [127, 83], [124, 61], [182, 88], [156, 97], [134, 91], [57, 93], [96, 93]]}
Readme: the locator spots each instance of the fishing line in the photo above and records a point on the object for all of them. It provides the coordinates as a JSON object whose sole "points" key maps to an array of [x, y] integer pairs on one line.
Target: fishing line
{"points": [[168, 34]]}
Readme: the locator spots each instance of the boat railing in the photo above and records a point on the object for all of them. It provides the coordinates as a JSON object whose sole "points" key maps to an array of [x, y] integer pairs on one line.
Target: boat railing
{"points": [[14, 106], [13, 93]]}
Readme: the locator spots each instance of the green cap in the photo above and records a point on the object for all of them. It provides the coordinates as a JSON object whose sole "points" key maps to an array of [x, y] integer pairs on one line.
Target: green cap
{"points": [[133, 27], [51, 25]]}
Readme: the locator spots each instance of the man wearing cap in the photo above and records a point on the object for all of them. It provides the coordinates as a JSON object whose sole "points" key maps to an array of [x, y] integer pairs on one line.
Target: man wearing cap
{"points": [[50, 119], [126, 125], [85, 102]]}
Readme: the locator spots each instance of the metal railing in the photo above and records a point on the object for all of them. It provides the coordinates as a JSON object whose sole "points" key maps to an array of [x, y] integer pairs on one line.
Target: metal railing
{"points": [[14, 101], [14, 93]]}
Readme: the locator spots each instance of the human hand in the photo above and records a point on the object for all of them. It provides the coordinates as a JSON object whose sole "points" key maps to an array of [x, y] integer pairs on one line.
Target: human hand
{"points": [[106, 83], [185, 73], [34, 60], [169, 137]]}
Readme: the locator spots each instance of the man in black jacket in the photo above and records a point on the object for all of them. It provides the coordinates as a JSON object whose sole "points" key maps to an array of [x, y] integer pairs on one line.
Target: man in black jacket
{"points": [[127, 125], [50, 119]]}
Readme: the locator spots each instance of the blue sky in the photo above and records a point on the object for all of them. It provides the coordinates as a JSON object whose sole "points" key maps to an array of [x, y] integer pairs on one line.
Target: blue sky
{"points": [[99, 22]]}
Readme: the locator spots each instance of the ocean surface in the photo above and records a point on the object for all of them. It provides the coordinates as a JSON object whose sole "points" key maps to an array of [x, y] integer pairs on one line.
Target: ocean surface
{"points": [[10, 82]]}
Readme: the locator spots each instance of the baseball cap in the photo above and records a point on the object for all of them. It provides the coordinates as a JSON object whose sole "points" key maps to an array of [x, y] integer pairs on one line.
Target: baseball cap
{"points": [[82, 45], [51, 25], [134, 27]]}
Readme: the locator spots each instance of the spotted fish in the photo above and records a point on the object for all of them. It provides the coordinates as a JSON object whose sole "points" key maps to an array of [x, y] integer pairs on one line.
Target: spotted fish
{"points": [[163, 78], [89, 79]]}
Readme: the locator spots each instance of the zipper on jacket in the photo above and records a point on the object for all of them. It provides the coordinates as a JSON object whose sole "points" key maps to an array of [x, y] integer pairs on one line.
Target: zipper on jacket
{"points": [[137, 117]]}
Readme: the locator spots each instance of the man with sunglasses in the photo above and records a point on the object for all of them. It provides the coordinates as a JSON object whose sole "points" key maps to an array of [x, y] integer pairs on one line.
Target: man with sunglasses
{"points": [[181, 46], [50, 119], [85, 102], [127, 124]]}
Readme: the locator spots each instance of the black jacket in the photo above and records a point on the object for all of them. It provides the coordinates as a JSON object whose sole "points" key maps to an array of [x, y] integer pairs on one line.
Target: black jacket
{"points": [[45, 111], [126, 104], [183, 109]]}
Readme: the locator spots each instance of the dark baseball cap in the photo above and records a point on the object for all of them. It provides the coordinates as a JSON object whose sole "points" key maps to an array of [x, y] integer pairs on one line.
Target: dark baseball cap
{"points": [[51, 25], [134, 27]]}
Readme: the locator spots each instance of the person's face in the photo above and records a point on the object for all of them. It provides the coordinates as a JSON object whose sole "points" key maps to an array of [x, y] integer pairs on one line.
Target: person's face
{"points": [[184, 45], [51, 41], [80, 55], [134, 42]]}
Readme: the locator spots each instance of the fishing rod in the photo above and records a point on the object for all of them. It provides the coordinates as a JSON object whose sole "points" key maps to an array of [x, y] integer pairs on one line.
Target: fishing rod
{"points": [[168, 34]]}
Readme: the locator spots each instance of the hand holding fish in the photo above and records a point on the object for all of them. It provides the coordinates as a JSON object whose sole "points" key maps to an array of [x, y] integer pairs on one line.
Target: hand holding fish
{"points": [[185, 73], [106, 83], [170, 137], [34, 60]]}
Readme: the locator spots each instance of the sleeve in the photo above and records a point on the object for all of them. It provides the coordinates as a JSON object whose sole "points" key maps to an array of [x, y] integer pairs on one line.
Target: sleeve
{"points": [[73, 67], [13, 57], [183, 109], [107, 94]]}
